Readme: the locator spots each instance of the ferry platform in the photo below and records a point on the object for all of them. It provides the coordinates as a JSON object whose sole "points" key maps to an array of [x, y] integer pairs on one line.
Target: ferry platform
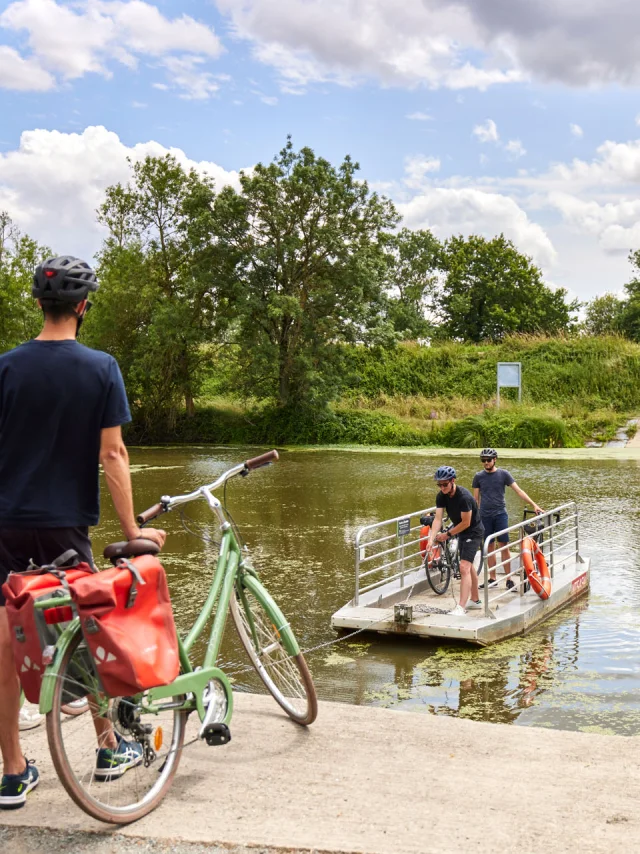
{"points": [[393, 595]]}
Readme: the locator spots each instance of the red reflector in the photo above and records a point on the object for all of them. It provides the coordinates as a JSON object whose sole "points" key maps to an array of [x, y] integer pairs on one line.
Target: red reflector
{"points": [[58, 615], [50, 273]]}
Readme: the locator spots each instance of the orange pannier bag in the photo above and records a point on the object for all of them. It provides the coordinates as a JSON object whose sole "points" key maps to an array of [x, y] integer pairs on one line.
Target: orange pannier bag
{"points": [[32, 629], [127, 623]]}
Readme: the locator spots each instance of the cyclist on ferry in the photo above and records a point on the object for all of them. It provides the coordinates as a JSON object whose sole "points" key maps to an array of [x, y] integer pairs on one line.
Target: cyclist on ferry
{"points": [[462, 509], [62, 407], [489, 488]]}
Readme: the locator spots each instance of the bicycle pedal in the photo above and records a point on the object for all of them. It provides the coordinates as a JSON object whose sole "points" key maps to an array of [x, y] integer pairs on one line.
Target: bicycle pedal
{"points": [[216, 734]]}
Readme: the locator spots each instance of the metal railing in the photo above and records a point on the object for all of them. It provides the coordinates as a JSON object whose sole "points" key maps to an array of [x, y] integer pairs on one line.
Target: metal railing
{"points": [[557, 536], [386, 551], [389, 550]]}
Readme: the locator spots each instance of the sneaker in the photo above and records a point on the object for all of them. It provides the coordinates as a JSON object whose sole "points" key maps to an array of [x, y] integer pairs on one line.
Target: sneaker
{"points": [[511, 586], [474, 605], [112, 764], [493, 582], [458, 611], [14, 788], [30, 717]]}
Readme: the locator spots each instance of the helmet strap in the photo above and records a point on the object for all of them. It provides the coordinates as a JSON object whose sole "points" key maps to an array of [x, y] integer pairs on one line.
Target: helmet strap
{"points": [[81, 317]]}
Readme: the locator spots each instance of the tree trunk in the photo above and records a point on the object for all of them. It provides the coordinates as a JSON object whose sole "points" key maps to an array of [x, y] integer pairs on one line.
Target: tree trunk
{"points": [[189, 404]]}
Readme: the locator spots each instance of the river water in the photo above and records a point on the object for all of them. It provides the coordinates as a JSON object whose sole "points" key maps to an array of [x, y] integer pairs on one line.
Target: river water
{"points": [[579, 671]]}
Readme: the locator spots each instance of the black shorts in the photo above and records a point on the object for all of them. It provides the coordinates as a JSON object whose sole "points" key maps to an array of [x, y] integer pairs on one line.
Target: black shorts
{"points": [[41, 545], [468, 547]]}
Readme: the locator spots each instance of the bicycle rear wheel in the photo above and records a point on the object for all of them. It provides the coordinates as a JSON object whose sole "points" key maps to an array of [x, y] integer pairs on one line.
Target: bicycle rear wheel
{"points": [[111, 790], [286, 677], [438, 575]]}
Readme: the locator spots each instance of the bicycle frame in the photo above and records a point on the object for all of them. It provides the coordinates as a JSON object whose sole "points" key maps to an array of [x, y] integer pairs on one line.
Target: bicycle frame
{"points": [[191, 683]]}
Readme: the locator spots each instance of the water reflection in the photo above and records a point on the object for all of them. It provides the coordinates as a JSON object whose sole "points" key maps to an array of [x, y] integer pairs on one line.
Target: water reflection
{"points": [[578, 671]]}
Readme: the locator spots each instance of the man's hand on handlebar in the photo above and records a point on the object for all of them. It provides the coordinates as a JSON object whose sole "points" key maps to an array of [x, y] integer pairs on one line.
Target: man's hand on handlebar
{"points": [[442, 537]]}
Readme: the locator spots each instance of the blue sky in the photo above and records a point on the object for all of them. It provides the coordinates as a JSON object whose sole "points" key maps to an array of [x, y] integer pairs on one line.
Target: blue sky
{"points": [[475, 117]]}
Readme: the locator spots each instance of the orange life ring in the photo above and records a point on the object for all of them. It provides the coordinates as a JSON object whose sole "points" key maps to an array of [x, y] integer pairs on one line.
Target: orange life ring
{"points": [[424, 538], [425, 530], [538, 576]]}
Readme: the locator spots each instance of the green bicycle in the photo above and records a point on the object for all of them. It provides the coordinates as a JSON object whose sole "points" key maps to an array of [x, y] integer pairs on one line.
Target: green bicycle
{"points": [[156, 719]]}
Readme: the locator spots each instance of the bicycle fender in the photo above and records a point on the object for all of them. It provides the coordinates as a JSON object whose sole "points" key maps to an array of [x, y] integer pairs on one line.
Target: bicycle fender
{"points": [[280, 623], [52, 672]]}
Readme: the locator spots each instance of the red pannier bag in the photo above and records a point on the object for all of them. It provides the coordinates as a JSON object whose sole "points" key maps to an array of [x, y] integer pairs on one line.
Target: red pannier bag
{"points": [[127, 622], [32, 629]]}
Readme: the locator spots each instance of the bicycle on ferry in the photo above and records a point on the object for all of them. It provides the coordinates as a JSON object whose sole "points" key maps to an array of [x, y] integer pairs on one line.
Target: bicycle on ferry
{"points": [[442, 563], [157, 718]]}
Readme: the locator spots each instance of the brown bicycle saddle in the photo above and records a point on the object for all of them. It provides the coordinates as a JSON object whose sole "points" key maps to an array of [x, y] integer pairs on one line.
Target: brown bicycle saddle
{"points": [[132, 548]]}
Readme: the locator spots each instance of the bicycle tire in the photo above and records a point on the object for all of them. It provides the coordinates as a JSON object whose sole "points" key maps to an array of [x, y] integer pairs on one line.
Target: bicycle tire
{"points": [[72, 743], [296, 693], [438, 575], [75, 708]]}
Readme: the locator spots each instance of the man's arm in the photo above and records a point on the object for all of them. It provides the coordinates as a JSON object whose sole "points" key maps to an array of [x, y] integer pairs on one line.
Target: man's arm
{"points": [[115, 462], [476, 495], [525, 497], [465, 521], [437, 524]]}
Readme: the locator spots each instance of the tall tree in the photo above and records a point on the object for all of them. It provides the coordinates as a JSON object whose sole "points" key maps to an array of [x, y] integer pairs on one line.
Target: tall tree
{"points": [[630, 316], [311, 240], [415, 265], [158, 289], [604, 315], [20, 318], [491, 290]]}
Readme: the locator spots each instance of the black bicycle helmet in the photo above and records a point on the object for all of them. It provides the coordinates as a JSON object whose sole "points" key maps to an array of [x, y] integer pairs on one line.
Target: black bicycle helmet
{"points": [[445, 473], [63, 279], [489, 452]]}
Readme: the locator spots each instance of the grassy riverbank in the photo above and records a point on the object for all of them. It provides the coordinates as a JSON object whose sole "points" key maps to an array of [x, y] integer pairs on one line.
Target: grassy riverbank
{"points": [[575, 390]]}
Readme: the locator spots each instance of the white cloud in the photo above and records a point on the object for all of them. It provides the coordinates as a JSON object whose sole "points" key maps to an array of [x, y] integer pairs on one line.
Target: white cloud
{"points": [[576, 130], [25, 75], [418, 168], [187, 76], [488, 132], [68, 42], [466, 211], [419, 117], [52, 184], [451, 43], [410, 44], [515, 149], [269, 100]]}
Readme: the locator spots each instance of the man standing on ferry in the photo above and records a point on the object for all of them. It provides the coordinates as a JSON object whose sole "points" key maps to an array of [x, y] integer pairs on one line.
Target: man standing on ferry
{"points": [[489, 487]]}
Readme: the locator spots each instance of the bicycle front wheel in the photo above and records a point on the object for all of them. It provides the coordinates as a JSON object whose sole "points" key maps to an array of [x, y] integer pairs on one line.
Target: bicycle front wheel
{"points": [[438, 575], [115, 785], [286, 677]]}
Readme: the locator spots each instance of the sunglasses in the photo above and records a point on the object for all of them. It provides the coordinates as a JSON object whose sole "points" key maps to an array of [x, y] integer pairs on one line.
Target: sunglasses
{"points": [[442, 483], [487, 459]]}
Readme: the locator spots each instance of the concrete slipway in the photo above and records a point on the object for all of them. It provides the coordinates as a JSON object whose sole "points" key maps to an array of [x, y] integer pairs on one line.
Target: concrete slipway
{"points": [[365, 780]]}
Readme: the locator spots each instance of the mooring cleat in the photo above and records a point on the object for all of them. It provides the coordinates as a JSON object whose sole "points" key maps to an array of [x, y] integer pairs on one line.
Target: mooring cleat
{"points": [[216, 734]]}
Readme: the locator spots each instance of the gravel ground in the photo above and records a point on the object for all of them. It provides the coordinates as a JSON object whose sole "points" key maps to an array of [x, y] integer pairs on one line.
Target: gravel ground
{"points": [[25, 840]]}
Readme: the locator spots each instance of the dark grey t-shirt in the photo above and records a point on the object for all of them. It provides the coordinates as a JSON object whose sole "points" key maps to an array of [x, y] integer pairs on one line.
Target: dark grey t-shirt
{"points": [[492, 486]]}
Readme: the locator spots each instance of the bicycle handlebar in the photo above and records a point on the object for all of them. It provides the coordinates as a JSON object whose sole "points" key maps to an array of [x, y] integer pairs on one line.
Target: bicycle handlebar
{"points": [[151, 513], [262, 460], [167, 503]]}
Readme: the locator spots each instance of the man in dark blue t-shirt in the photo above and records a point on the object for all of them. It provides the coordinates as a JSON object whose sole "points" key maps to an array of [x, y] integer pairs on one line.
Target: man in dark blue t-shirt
{"points": [[62, 407], [489, 487]]}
